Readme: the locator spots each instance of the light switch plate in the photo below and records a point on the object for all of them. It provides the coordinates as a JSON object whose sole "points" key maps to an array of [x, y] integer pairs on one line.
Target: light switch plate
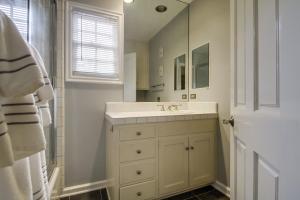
{"points": [[161, 52], [161, 71]]}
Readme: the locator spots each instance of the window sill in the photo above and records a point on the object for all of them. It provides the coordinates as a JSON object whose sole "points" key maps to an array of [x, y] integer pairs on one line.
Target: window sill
{"points": [[95, 81]]}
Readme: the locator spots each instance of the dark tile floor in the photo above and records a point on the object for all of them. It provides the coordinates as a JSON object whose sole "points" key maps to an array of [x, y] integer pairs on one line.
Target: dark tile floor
{"points": [[94, 195], [206, 193]]}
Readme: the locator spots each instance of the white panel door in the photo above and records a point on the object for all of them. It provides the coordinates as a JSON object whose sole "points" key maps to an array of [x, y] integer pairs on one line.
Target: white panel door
{"points": [[265, 156], [173, 164], [201, 159]]}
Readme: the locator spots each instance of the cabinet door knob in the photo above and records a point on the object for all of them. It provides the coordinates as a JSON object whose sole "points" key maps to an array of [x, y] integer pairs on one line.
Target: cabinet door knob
{"points": [[192, 148], [138, 151], [138, 133], [138, 172], [139, 194], [187, 148]]}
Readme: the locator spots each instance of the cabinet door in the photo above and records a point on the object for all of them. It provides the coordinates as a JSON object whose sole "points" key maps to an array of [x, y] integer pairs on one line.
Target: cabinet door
{"points": [[201, 159], [173, 164]]}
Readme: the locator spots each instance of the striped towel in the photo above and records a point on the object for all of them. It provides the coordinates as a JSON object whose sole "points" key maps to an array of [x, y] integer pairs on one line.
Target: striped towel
{"points": [[19, 73], [15, 181], [6, 158], [45, 174], [24, 126], [39, 177], [45, 93]]}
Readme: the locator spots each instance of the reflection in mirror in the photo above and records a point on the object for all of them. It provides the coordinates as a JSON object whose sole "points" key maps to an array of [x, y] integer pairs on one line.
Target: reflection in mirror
{"points": [[200, 67], [179, 73], [157, 32]]}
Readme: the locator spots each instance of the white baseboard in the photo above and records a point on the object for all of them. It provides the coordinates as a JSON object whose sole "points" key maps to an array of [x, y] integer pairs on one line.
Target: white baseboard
{"points": [[222, 188], [84, 188]]}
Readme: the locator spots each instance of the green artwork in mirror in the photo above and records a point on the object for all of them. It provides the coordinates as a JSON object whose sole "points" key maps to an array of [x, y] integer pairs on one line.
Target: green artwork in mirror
{"points": [[179, 73], [200, 67]]}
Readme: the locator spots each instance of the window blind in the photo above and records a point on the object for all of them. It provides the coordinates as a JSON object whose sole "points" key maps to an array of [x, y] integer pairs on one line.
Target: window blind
{"points": [[18, 11], [95, 44]]}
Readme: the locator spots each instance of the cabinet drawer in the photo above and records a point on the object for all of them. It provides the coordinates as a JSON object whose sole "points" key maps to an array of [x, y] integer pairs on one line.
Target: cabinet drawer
{"points": [[136, 150], [142, 191], [136, 171], [137, 132]]}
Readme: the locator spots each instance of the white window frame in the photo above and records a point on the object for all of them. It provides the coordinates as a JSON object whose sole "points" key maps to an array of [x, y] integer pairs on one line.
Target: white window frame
{"points": [[69, 76]]}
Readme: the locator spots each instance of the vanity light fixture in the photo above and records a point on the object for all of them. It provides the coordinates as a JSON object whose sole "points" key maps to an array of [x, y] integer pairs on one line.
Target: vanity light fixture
{"points": [[128, 1], [161, 8]]}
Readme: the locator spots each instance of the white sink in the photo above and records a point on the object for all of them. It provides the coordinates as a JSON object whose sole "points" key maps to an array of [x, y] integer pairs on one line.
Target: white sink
{"points": [[122, 112]]}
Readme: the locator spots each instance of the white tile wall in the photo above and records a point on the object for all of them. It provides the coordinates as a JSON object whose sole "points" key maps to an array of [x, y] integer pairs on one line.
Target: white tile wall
{"points": [[60, 91]]}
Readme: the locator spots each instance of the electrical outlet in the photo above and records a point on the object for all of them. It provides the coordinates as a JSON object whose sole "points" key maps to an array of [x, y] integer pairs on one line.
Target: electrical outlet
{"points": [[161, 52], [193, 96]]}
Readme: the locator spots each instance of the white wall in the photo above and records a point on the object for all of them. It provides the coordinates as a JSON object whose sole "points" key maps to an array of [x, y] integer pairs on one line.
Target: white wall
{"points": [[210, 22], [84, 115]]}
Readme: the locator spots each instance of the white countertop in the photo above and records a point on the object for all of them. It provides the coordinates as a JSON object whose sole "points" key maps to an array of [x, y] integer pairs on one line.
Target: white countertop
{"points": [[131, 113]]}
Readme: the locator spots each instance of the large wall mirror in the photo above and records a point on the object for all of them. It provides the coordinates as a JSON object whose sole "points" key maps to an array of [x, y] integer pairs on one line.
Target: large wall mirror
{"points": [[179, 73], [200, 67], [156, 50]]}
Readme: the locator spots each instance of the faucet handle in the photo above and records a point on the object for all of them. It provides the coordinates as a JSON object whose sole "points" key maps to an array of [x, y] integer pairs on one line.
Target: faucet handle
{"points": [[162, 107], [175, 106]]}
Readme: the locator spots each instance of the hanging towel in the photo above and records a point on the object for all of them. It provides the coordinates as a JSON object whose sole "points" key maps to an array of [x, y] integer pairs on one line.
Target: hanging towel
{"points": [[6, 152], [45, 174], [45, 115], [44, 94], [39, 177], [15, 181], [38, 161], [24, 126], [19, 73]]}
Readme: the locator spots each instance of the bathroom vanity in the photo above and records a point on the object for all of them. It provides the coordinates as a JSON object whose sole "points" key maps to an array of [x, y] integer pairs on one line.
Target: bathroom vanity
{"points": [[156, 150]]}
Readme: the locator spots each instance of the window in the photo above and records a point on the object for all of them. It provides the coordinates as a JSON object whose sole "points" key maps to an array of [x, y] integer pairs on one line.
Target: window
{"points": [[18, 12], [94, 45]]}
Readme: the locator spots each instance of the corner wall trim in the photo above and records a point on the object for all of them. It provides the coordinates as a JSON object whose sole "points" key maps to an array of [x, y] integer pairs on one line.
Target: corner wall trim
{"points": [[222, 188], [84, 188], [53, 180]]}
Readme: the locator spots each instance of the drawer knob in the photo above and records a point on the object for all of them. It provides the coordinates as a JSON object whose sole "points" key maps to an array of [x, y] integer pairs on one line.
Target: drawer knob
{"points": [[139, 194], [192, 147], [138, 172], [138, 133], [187, 148], [138, 151]]}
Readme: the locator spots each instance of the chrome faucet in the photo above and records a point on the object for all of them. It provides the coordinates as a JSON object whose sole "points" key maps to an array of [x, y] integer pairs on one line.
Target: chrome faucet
{"points": [[173, 107], [162, 107]]}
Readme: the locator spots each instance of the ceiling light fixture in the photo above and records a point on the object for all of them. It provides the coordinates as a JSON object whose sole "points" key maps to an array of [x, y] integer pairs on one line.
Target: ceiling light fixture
{"points": [[128, 1], [161, 8]]}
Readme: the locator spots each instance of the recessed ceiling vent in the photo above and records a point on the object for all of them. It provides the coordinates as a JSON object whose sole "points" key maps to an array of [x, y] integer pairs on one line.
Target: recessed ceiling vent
{"points": [[161, 8]]}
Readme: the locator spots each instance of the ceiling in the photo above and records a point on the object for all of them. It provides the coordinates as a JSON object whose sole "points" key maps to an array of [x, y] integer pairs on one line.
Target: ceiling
{"points": [[142, 21]]}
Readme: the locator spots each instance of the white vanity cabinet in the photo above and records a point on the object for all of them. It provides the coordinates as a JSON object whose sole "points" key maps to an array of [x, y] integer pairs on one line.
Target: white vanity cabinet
{"points": [[155, 160], [173, 164], [185, 161]]}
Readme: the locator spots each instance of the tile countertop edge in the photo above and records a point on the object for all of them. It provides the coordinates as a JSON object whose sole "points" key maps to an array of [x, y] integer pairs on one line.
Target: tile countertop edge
{"points": [[157, 119]]}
